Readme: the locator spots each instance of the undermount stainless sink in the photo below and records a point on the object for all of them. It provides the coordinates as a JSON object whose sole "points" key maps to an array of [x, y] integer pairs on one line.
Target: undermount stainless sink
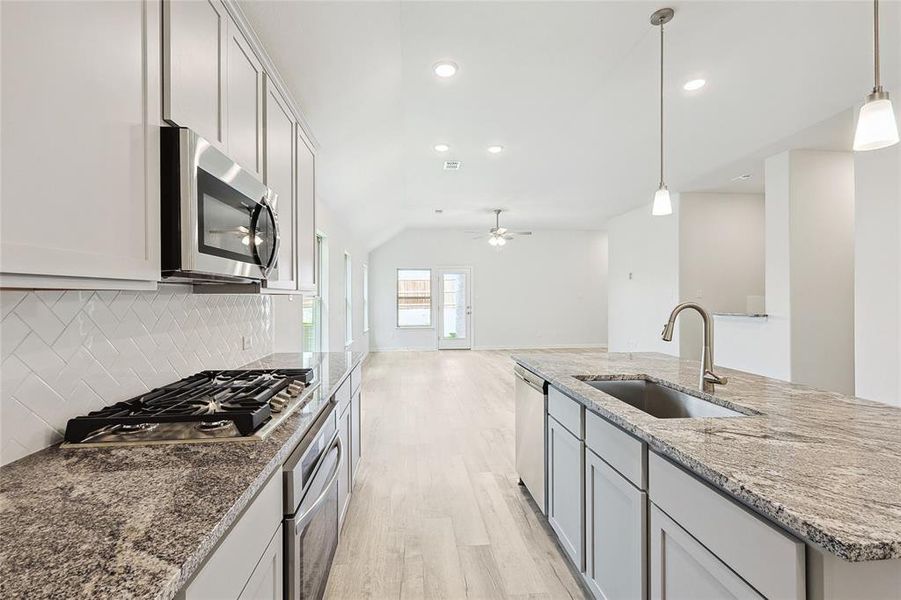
{"points": [[661, 401]]}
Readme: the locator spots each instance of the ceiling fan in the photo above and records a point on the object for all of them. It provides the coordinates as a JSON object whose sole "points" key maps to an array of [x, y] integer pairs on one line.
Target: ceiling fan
{"points": [[497, 235]]}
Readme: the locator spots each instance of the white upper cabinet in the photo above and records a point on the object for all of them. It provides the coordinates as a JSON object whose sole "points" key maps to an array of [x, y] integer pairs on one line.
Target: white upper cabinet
{"points": [[279, 175], [195, 67], [308, 278], [244, 102], [80, 144]]}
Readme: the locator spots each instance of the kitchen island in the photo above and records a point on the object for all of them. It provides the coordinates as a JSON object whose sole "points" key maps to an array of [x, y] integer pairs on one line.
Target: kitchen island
{"points": [[822, 466], [139, 521]]}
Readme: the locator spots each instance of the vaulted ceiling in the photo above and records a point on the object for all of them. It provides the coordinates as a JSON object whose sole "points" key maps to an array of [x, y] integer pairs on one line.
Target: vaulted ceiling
{"points": [[569, 89]]}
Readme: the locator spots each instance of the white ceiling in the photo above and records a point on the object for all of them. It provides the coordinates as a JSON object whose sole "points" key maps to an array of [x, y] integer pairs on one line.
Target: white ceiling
{"points": [[570, 90]]}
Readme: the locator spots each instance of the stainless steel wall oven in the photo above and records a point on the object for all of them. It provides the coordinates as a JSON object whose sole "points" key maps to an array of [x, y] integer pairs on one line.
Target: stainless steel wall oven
{"points": [[311, 508]]}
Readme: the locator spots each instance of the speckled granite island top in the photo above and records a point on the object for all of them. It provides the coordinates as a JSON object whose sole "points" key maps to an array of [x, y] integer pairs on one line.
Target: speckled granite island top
{"points": [[136, 522], [826, 467]]}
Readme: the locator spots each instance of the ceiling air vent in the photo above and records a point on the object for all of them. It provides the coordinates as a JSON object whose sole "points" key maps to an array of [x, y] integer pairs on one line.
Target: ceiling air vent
{"points": [[452, 165]]}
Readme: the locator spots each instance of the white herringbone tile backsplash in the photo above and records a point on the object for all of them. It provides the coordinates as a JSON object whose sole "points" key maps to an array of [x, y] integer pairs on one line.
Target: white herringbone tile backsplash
{"points": [[65, 353]]}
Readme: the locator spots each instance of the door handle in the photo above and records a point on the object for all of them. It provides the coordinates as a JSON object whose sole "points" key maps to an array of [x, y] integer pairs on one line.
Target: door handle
{"points": [[301, 521]]}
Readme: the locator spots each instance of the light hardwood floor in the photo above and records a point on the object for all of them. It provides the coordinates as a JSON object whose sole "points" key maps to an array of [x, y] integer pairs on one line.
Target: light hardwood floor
{"points": [[437, 511]]}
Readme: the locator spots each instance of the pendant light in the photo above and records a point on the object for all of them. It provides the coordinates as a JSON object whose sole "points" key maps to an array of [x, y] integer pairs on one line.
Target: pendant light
{"points": [[876, 126], [662, 203]]}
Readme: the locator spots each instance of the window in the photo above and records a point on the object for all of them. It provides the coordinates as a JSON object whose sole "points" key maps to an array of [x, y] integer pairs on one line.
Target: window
{"points": [[312, 306], [414, 298], [348, 301], [365, 298]]}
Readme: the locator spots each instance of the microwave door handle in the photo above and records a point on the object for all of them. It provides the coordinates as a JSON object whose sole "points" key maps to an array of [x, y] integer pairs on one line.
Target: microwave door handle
{"points": [[276, 245], [267, 266], [301, 521]]}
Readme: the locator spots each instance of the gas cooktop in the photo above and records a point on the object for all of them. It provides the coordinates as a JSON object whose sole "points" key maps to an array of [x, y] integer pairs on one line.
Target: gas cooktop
{"points": [[208, 406]]}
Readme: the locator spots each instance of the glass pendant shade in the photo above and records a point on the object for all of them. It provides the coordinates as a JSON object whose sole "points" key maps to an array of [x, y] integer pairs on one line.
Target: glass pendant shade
{"points": [[662, 204], [876, 125], [501, 241], [492, 240]]}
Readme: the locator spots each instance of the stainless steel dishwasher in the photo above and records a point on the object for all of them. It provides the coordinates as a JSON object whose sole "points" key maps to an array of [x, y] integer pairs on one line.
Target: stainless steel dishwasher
{"points": [[311, 508], [531, 403]]}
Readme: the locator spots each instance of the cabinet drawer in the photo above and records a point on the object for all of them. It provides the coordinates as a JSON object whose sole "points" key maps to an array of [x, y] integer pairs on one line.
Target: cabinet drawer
{"points": [[342, 396], [567, 411], [625, 453], [763, 555], [232, 563], [356, 378]]}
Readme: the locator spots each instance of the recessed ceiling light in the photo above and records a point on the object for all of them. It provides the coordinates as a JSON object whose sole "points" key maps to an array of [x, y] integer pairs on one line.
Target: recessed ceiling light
{"points": [[438, 211], [445, 69], [694, 84], [441, 147], [495, 149], [744, 177]]}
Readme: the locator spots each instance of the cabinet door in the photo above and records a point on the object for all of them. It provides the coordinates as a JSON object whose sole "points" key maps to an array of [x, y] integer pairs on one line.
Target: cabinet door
{"points": [[345, 476], [244, 102], [266, 581], [564, 501], [279, 175], [615, 533], [80, 144], [356, 433], [194, 67], [308, 277], [683, 569]]}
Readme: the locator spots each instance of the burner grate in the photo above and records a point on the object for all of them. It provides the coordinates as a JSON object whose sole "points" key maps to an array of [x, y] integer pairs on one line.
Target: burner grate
{"points": [[209, 397]]}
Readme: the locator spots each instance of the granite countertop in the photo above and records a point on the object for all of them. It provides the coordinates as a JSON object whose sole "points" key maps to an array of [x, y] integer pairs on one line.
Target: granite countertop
{"points": [[825, 466], [136, 522]]}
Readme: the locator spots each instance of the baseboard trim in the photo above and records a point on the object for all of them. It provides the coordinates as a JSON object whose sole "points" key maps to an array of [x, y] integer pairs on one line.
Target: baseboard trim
{"points": [[478, 347]]}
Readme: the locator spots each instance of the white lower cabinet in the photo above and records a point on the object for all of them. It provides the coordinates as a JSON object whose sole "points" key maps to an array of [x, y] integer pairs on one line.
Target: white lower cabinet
{"points": [[682, 569], [564, 486], [345, 475], [247, 562], [267, 580], [356, 442], [615, 533]]}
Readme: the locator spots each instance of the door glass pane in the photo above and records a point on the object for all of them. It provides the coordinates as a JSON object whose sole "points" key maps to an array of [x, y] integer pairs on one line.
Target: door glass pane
{"points": [[453, 286]]}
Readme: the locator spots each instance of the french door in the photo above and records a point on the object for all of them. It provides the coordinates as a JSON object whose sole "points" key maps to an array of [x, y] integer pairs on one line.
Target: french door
{"points": [[455, 309]]}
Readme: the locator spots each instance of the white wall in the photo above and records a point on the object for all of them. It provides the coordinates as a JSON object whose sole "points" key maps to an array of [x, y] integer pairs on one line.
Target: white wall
{"points": [[721, 257], [877, 273], [288, 311], [809, 335], [822, 269], [763, 346], [540, 291], [643, 280]]}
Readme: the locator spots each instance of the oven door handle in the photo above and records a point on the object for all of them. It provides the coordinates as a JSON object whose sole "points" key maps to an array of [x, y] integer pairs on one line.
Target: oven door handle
{"points": [[301, 520]]}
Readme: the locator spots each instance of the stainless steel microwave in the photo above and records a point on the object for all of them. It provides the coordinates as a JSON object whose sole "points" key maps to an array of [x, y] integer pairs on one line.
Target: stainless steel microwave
{"points": [[219, 222]]}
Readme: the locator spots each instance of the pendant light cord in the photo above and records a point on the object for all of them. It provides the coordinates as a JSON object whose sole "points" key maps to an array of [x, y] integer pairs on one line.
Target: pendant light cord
{"points": [[661, 105], [878, 85]]}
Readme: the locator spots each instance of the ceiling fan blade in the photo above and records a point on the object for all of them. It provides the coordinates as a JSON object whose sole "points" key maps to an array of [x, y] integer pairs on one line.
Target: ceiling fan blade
{"points": [[521, 232], [480, 237], [471, 231]]}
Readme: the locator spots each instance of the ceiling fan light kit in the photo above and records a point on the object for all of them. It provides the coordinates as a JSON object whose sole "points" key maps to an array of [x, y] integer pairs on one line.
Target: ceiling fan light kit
{"points": [[499, 236]]}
